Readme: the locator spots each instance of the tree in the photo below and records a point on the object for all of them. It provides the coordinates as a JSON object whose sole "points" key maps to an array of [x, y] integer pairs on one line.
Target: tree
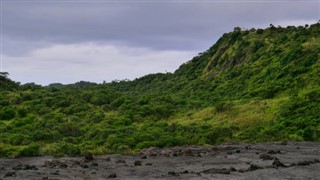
{"points": [[237, 28], [4, 74], [7, 113]]}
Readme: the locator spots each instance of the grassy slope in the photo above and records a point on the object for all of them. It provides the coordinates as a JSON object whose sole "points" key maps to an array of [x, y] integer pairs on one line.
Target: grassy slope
{"points": [[256, 85]]}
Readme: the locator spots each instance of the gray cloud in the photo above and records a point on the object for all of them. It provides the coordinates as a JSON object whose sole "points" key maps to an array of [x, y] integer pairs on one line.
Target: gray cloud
{"points": [[92, 62], [155, 25]]}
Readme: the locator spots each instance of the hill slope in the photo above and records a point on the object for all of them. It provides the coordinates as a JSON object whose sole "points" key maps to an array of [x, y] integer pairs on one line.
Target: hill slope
{"points": [[252, 85], [6, 83]]}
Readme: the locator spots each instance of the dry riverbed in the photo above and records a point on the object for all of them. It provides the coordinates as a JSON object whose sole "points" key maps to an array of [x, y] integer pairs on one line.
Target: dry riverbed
{"points": [[292, 160]]}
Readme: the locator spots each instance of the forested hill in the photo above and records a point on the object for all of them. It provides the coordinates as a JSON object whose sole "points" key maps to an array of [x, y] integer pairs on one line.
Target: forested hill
{"points": [[251, 85], [253, 63]]}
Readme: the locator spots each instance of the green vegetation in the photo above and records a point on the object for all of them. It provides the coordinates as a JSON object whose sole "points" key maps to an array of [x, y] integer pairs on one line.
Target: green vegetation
{"points": [[252, 85]]}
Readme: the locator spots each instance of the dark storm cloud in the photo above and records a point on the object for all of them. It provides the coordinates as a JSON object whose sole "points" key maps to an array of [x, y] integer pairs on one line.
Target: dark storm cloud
{"points": [[158, 25]]}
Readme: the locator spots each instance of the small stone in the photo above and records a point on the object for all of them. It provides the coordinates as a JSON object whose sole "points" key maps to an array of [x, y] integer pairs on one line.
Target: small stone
{"points": [[185, 172], [55, 164], [311, 162], [293, 164], [84, 166], [216, 171], [17, 167], [266, 157], [143, 156], [238, 151], [278, 163], [172, 173], [148, 164], [153, 154], [94, 164], [63, 165], [283, 143], [254, 167], [89, 157], [303, 163], [274, 152], [187, 152], [166, 155], [10, 174], [108, 159], [75, 163], [25, 167], [54, 173], [30, 167], [137, 163], [120, 161], [112, 175]]}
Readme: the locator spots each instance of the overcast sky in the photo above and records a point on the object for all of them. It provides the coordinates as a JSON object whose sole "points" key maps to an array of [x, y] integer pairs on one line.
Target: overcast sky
{"points": [[67, 41]]}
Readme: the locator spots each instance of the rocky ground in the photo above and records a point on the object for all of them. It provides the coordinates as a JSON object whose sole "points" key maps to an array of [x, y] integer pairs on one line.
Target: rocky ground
{"points": [[293, 160]]}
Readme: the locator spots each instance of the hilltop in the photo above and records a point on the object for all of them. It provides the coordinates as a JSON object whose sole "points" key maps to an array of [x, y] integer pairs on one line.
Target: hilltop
{"points": [[252, 86]]}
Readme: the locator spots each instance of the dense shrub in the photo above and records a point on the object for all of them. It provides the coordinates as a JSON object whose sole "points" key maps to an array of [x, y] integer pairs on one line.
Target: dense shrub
{"points": [[7, 113], [32, 149]]}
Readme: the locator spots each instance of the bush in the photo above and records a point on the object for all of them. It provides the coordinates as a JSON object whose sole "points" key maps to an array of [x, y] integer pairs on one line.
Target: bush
{"points": [[45, 135], [7, 113], [219, 135], [22, 112], [19, 139], [259, 31], [70, 149], [223, 106], [257, 44], [70, 129], [308, 134], [100, 99], [32, 149], [145, 144], [167, 141], [61, 149], [52, 150], [9, 151]]}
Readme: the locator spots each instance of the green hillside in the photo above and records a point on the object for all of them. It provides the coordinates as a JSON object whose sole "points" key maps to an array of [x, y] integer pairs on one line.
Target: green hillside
{"points": [[6, 83], [251, 85]]}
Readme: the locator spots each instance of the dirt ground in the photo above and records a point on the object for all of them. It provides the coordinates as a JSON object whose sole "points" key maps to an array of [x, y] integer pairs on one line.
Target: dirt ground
{"points": [[279, 160]]}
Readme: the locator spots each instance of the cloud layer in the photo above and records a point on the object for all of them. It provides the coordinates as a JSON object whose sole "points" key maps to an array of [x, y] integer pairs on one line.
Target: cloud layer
{"points": [[92, 62], [159, 34]]}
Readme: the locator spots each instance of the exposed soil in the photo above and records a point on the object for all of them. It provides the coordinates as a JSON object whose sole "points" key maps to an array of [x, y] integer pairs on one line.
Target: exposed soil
{"points": [[292, 160]]}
